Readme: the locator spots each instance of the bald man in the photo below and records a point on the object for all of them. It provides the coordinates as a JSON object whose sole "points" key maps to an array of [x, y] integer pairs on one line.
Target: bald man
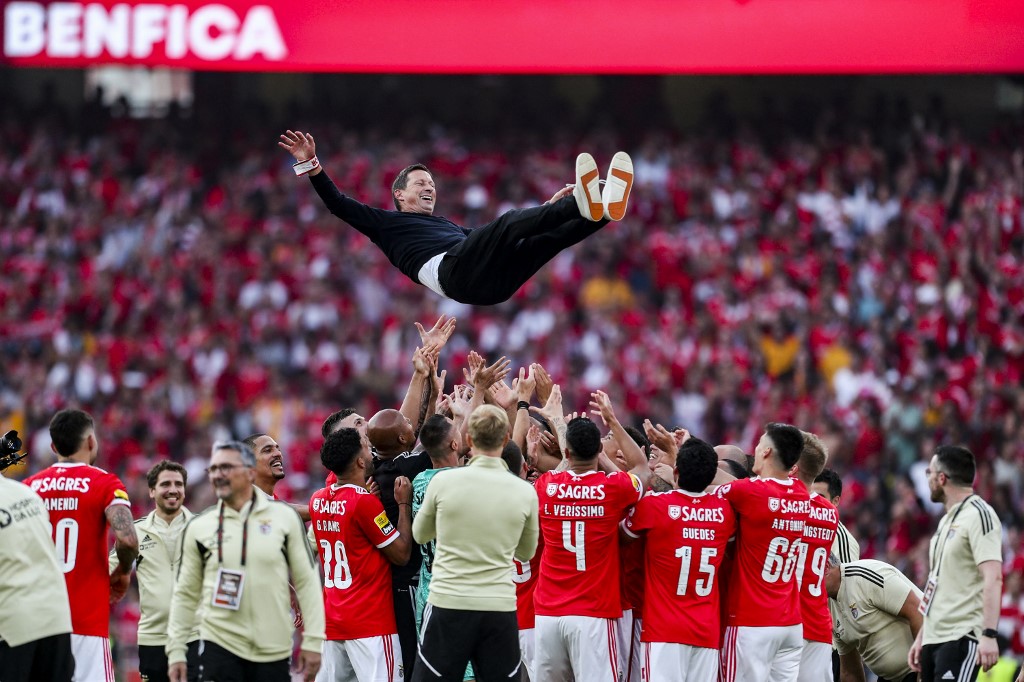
{"points": [[392, 436]]}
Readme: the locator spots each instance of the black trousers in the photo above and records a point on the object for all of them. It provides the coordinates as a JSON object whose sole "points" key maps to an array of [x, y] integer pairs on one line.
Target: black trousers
{"points": [[957, 658], [499, 257], [48, 659], [453, 637], [405, 620], [911, 677], [220, 665], [153, 662]]}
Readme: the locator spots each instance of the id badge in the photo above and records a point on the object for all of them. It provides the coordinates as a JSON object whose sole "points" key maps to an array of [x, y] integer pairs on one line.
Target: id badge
{"points": [[926, 598], [227, 591]]}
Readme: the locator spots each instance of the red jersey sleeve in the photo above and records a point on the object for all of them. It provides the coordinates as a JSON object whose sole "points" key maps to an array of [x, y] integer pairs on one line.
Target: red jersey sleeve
{"points": [[373, 521], [641, 517], [114, 491], [627, 488]]}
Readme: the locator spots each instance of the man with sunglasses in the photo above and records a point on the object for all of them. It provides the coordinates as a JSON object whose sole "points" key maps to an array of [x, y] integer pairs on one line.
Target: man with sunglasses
{"points": [[961, 600], [237, 556]]}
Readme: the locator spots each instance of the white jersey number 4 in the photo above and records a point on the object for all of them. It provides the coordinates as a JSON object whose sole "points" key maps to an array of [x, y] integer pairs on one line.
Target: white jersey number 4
{"points": [[574, 542]]}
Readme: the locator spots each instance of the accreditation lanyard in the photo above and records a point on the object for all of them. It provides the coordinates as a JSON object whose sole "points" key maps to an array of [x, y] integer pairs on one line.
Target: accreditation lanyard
{"points": [[245, 532], [941, 550], [933, 579]]}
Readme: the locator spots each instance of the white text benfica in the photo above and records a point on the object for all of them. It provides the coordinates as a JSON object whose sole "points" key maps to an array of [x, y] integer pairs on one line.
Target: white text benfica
{"points": [[75, 30]]}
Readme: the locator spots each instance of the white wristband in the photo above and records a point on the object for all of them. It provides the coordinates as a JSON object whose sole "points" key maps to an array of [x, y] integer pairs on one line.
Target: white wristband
{"points": [[303, 167]]}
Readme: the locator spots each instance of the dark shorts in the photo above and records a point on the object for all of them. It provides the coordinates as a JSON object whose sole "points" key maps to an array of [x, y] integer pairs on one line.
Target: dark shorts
{"points": [[153, 662], [453, 637], [220, 665], [950, 661], [48, 658]]}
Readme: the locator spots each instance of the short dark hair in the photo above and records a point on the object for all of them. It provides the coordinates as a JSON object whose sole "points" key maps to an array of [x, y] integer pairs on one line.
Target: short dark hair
{"points": [[735, 468], [435, 434], [402, 180], [640, 439], [251, 441], [788, 441], [333, 420], [67, 429], [831, 478], [583, 437], [513, 457], [957, 463], [696, 465], [153, 475], [340, 450]]}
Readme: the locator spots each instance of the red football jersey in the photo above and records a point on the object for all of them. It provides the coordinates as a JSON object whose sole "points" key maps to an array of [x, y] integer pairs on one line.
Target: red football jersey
{"points": [[351, 527], [770, 518], [819, 532], [632, 577], [579, 519], [77, 496], [525, 578], [686, 534]]}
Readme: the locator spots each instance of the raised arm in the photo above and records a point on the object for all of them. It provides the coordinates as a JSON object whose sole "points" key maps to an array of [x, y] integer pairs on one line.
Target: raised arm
{"points": [[636, 460], [300, 145], [399, 551], [552, 411], [414, 407], [364, 218], [126, 546], [524, 388]]}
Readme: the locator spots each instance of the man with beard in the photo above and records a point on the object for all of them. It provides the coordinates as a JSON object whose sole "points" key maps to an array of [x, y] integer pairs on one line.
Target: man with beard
{"points": [[159, 534], [236, 558], [965, 576], [270, 468]]}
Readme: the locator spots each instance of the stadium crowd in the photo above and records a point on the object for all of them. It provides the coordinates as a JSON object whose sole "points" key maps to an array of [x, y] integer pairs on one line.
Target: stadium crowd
{"points": [[864, 280]]}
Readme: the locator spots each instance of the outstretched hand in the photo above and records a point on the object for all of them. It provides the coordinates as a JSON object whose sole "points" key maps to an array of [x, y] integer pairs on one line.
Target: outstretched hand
{"points": [[439, 334], [298, 144]]}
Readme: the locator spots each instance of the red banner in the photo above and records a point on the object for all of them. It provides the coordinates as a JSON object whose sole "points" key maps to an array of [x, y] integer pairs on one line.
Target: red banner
{"points": [[524, 36]]}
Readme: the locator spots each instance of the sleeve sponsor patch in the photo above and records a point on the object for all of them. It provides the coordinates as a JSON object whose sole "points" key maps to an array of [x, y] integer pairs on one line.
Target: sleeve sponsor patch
{"points": [[121, 495], [637, 485], [383, 523]]}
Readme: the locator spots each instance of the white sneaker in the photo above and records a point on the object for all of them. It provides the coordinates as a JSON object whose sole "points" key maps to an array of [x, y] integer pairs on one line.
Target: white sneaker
{"points": [[588, 188], [617, 186]]}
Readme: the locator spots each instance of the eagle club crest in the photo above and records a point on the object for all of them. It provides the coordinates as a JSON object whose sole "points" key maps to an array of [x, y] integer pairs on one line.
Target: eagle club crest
{"points": [[774, 503], [552, 489], [674, 511]]}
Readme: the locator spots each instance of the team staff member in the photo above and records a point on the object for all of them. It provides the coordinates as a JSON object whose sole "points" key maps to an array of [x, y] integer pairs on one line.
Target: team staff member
{"points": [[35, 621], [482, 519], [876, 619], [236, 558], [160, 534], [965, 578]]}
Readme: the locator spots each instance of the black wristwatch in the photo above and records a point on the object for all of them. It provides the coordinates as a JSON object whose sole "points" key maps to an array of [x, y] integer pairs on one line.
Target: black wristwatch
{"points": [[990, 632]]}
